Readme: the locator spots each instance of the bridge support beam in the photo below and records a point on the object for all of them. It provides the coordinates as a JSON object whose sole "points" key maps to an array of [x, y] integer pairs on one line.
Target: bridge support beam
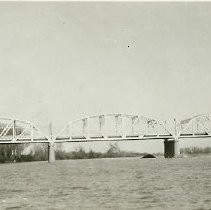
{"points": [[171, 148], [51, 152]]}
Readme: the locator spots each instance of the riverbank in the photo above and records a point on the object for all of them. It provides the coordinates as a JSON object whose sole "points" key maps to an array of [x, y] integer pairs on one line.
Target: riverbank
{"points": [[40, 153]]}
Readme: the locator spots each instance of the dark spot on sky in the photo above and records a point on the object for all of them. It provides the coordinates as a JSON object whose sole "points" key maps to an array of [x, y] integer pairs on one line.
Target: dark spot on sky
{"points": [[128, 46]]}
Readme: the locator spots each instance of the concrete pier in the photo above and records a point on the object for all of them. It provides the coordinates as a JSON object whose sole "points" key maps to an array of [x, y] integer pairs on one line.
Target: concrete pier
{"points": [[171, 148], [51, 152]]}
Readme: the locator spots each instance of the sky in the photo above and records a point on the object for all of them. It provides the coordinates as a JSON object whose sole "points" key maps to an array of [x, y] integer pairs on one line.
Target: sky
{"points": [[62, 61]]}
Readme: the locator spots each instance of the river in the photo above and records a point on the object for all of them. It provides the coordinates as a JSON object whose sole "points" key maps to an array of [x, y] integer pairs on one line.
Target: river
{"points": [[123, 183]]}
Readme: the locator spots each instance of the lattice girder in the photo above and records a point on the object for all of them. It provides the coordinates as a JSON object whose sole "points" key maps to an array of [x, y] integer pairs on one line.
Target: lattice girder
{"points": [[19, 131], [197, 125], [112, 126]]}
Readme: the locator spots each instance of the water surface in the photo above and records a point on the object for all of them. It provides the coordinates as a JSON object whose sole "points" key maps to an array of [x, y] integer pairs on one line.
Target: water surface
{"points": [[125, 183]]}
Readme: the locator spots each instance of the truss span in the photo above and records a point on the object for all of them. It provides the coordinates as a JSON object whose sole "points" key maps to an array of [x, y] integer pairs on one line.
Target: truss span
{"points": [[20, 131], [110, 127], [198, 126]]}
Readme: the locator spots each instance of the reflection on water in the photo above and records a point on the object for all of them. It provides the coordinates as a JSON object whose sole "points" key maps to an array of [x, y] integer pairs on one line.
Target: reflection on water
{"points": [[127, 183]]}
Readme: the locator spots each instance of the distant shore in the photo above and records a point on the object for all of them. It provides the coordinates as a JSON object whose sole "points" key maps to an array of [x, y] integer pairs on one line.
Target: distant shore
{"points": [[40, 153]]}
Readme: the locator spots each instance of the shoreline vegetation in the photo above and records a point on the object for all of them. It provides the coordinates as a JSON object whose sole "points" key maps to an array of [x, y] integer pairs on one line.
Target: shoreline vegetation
{"points": [[15, 153]]}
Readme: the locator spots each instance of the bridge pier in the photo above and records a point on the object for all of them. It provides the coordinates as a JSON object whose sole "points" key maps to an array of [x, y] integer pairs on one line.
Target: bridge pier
{"points": [[171, 148], [51, 152]]}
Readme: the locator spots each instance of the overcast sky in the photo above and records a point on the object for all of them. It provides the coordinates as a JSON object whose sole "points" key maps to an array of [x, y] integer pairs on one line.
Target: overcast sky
{"points": [[61, 61]]}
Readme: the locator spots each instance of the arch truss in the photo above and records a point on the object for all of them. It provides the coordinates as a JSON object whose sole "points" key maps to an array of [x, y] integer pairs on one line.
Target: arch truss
{"points": [[19, 131], [197, 126], [110, 127]]}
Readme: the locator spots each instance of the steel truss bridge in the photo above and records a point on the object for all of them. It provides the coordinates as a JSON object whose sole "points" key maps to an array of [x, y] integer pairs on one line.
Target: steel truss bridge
{"points": [[107, 127]]}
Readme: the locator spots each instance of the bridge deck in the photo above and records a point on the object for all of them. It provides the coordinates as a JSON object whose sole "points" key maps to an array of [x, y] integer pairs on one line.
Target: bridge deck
{"points": [[60, 139]]}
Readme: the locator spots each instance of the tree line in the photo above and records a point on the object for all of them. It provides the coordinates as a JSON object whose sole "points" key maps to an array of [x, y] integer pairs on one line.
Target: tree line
{"points": [[15, 153], [195, 150], [39, 152]]}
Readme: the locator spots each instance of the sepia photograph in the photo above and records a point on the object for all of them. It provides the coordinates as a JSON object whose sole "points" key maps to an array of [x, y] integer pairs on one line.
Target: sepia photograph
{"points": [[105, 105]]}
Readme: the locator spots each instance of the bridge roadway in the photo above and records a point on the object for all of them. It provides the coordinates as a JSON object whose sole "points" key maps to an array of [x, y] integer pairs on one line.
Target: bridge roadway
{"points": [[63, 139], [125, 128]]}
